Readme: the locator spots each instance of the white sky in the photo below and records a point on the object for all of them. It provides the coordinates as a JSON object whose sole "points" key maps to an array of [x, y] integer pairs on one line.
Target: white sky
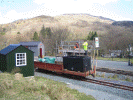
{"points": [[12, 10]]}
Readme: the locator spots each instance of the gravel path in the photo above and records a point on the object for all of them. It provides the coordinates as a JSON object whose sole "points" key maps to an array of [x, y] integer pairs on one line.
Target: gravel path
{"points": [[99, 92]]}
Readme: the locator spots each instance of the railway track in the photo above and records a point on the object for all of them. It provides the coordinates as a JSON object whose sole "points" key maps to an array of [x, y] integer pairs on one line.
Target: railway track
{"points": [[114, 85], [100, 82]]}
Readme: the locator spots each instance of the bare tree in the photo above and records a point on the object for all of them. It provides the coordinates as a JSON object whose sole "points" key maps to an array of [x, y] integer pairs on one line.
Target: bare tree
{"points": [[117, 38], [58, 34]]}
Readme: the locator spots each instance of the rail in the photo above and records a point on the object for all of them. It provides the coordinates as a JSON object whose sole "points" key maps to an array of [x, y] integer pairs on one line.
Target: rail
{"points": [[100, 82], [115, 85]]}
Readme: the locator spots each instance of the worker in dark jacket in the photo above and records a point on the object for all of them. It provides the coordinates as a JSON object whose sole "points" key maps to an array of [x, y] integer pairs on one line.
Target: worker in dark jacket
{"points": [[85, 44], [76, 46]]}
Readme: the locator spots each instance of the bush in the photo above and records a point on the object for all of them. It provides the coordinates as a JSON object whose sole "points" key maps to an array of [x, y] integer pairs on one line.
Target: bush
{"points": [[103, 75], [18, 33], [115, 76], [2, 33], [109, 76], [128, 79]]}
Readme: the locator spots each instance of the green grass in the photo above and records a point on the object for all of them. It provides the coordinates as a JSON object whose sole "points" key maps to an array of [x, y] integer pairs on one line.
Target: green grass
{"points": [[2, 33], [114, 77], [115, 59], [103, 75], [37, 88], [128, 79]]}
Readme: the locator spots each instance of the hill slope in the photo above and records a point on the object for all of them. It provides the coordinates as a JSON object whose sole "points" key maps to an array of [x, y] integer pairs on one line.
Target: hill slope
{"points": [[79, 26], [74, 22], [123, 23]]}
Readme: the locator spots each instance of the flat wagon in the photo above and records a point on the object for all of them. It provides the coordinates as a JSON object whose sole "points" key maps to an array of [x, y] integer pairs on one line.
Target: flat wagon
{"points": [[60, 68]]}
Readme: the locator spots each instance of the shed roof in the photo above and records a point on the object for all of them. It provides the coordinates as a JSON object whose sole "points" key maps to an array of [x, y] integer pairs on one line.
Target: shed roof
{"points": [[33, 43], [9, 48]]}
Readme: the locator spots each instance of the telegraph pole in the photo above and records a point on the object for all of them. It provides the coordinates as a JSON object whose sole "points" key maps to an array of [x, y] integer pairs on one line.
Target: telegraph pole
{"points": [[96, 45], [93, 53], [129, 63]]}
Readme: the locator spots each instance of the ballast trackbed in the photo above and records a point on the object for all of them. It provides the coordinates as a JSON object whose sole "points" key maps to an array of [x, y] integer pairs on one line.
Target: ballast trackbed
{"points": [[59, 69], [115, 85]]}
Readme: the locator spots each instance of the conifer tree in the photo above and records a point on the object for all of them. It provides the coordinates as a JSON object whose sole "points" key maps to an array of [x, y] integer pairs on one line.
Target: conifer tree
{"points": [[42, 32], [92, 35], [36, 38], [95, 35], [48, 32]]}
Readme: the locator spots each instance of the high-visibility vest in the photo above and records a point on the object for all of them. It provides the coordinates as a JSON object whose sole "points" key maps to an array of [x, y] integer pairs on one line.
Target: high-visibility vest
{"points": [[85, 44]]}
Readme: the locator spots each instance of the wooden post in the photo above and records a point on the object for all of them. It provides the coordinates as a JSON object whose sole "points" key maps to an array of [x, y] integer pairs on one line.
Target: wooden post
{"points": [[96, 62], [93, 59], [93, 55], [56, 49]]}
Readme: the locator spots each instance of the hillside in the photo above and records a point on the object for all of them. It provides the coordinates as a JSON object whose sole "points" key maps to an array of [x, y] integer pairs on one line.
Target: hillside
{"points": [[79, 26], [81, 23], [123, 23]]}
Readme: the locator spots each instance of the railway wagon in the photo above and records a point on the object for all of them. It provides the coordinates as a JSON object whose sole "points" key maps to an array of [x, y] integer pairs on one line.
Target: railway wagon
{"points": [[69, 63]]}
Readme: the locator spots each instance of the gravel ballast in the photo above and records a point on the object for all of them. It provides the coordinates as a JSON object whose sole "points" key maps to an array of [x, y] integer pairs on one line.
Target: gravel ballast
{"points": [[99, 92]]}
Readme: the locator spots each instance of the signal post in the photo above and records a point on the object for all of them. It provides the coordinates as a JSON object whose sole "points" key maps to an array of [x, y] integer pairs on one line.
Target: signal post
{"points": [[96, 46]]}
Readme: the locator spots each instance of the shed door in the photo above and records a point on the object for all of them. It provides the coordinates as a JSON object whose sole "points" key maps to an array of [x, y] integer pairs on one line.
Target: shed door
{"points": [[41, 52]]}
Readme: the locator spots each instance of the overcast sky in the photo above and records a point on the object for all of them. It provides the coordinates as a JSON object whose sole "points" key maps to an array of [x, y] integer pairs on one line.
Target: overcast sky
{"points": [[11, 10]]}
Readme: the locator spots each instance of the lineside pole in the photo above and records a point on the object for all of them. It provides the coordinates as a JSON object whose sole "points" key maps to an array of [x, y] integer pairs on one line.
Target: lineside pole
{"points": [[56, 49], [93, 55], [96, 62], [93, 59], [97, 45]]}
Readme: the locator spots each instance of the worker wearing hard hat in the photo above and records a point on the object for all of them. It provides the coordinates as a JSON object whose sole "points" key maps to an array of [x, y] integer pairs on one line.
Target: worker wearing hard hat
{"points": [[85, 44]]}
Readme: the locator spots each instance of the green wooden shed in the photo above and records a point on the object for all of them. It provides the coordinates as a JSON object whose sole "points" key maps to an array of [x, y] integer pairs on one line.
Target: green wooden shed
{"points": [[16, 55]]}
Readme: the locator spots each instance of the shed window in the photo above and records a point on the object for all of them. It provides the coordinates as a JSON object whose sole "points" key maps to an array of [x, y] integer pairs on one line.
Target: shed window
{"points": [[21, 59]]}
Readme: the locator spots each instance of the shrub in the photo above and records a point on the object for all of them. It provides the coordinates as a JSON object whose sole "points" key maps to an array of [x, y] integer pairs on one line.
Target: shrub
{"points": [[103, 75], [2, 33], [115, 76], [109, 76], [128, 79], [18, 33]]}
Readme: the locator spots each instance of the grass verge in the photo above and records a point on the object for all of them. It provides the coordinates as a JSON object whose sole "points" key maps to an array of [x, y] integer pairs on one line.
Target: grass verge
{"points": [[115, 59], [14, 87], [114, 77]]}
